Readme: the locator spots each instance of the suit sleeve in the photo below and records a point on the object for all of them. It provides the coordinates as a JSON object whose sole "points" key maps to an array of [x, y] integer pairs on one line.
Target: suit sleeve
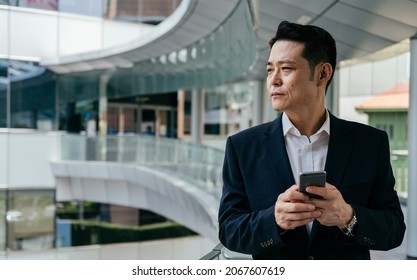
{"points": [[381, 225], [240, 228]]}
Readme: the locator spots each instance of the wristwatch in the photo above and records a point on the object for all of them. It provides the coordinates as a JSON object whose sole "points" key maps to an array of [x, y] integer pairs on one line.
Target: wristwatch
{"points": [[351, 225]]}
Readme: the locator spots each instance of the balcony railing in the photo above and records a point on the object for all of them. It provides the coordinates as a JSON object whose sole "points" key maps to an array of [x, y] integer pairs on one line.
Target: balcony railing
{"points": [[195, 163], [399, 162]]}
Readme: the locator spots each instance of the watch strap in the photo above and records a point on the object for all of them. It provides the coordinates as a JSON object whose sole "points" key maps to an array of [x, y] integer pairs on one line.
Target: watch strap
{"points": [[351, 225]]}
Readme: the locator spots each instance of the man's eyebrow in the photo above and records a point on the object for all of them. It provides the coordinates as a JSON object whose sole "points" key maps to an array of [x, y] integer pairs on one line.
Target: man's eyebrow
{"points": [[282, 62]]}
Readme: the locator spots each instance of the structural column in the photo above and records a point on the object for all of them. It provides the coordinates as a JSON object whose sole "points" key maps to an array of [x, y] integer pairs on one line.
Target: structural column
{"points": [[102, 111], [180, 114], [412, 155], [197, 111], [257, 103], [102, 104]]}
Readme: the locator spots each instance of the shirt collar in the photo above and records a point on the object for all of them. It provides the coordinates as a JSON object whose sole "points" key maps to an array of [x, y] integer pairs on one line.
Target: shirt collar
{"points": [[287, 126]]}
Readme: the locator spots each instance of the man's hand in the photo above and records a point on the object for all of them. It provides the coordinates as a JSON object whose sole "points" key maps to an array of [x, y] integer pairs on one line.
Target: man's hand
{"points": [[334, 210], [294, 209]]}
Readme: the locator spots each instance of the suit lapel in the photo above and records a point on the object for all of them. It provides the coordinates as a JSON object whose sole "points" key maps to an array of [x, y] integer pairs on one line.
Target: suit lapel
{"points": [[276, 153], [340, 145]]}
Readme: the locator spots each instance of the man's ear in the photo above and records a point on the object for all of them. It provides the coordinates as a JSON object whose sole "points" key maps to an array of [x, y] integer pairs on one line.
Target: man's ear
{"points": [[325, 72]]}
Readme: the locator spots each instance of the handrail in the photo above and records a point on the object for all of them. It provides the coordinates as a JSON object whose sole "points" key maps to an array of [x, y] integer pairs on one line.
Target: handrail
{"points": [[219, 252], [214, 254]]}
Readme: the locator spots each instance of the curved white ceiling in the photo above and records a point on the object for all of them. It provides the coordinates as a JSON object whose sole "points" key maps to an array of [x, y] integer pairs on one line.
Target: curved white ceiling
{"points": [[192, 21], [359, 27]]}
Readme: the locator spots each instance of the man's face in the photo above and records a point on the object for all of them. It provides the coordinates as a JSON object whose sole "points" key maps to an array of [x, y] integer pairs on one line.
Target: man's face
{"points": [[291, 86]]}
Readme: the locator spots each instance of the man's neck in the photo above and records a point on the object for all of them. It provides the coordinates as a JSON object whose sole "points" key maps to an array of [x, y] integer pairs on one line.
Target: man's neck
{"points": [[310, 123]]}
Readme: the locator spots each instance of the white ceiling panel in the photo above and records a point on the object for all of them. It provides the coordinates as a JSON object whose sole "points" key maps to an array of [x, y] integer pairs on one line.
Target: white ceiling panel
{"points": [[360, 27], [404, 11], [315, 6], [281, 10], [354, 37], [369, 22]]}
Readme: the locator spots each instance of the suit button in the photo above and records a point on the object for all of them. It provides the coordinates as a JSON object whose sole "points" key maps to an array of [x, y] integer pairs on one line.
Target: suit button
{"points": [[310, 257]]}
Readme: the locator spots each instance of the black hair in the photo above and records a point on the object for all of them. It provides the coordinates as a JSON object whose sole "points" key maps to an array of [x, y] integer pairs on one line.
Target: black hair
{"points": [[319, 45]]}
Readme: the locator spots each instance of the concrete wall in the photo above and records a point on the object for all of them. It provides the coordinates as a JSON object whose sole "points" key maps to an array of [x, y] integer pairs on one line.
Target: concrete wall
{"points": [[25, 157]]}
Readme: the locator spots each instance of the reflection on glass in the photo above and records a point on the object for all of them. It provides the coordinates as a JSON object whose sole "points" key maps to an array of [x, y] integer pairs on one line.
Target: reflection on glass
{"points": [[32, 95], [228, 109], [151, 12], [3, 91], [30, 219], [2, 220]]}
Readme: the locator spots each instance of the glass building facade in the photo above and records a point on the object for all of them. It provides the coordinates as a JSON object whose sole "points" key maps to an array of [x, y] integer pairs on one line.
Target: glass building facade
{"points": [[33, 97], [30, 219]]}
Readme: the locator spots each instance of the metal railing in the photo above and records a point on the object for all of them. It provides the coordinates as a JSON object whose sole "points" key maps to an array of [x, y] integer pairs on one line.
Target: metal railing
{"points": [[214, 254], [399, 162], [219, 252]]}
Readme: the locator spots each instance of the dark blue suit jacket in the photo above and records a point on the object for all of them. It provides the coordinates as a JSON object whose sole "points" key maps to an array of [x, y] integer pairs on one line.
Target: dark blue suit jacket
{"points": [[257, 169]]}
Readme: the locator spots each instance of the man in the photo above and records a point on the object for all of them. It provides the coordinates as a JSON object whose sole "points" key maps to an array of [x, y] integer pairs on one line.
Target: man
{"points": [[262, 212]]}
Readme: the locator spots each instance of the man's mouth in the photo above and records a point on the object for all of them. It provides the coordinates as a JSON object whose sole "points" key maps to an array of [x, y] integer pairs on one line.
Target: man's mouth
{"points": [[276, 94]]}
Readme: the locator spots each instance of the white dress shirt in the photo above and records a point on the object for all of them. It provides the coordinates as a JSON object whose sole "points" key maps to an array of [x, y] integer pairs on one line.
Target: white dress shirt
{"points": [[306, 154]]}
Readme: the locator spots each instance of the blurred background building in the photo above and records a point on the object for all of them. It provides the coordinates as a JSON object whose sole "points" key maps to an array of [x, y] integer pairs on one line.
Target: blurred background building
{"points": [[114, 113]]}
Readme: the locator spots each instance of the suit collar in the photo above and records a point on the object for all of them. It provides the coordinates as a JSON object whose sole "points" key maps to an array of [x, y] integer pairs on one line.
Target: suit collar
{"points": [[340, 145], [288, 126]]}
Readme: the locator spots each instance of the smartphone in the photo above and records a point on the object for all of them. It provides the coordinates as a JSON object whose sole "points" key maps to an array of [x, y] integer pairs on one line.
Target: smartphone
{"points": [[312, 178]]}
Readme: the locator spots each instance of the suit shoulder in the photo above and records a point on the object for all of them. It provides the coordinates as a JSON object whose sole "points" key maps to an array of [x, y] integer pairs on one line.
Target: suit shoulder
{"points": [[252, 131]]}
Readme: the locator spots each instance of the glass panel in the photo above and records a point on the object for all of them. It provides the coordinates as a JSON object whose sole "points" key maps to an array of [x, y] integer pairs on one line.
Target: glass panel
{"points": [[198, 164], [88, 7], [51, 5], [3, 91], [228, 109], [151, 12], [32, 95], [30, 219], [2, 220]]}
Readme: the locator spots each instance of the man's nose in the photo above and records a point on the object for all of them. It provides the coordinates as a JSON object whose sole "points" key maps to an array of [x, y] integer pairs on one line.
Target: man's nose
{"points": [[278, 82], [276, 79]]}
